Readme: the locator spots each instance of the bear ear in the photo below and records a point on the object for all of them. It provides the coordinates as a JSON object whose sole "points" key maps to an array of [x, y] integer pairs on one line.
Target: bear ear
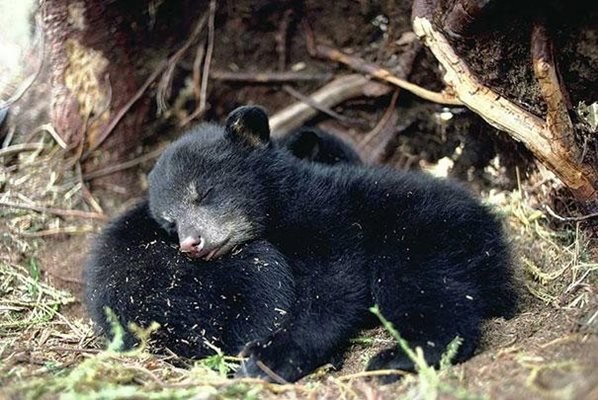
{"points": [[305, 144], [249, 123]]}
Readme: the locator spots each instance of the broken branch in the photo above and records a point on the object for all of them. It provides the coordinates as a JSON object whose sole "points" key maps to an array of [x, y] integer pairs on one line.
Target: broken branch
{"points": [[335, 92], [268, 77], [55, 211], [361, 65]]}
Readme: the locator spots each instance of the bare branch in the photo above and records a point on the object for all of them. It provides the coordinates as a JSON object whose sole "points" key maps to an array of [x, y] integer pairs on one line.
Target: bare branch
{"points": [[56, 211], [335, 92]]}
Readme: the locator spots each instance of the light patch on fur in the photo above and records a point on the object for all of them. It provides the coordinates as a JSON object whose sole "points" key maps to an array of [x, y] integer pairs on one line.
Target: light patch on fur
{"points": [[192, 193], [238, 126], [239, 129], [240, 226]]}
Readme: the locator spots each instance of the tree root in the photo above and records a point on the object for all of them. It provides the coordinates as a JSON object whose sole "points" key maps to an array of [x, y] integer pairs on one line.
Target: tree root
{"points": [[544, 139]]}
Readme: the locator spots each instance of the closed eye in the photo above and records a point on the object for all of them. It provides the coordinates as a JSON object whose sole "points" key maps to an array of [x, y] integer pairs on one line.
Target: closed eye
{"points": [[203, 196]]}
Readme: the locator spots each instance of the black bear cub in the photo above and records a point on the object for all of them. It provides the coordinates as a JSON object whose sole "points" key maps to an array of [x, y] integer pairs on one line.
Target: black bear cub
{"points": [[315, 145], [136, 269], [425, 251]]}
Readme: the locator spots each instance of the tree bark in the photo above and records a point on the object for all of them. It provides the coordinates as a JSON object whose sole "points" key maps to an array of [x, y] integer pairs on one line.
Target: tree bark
{"points": [[91, 73]]}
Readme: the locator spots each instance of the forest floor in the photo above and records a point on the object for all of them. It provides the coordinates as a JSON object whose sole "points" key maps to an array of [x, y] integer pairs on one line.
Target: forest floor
{"points": [[549, 350]]}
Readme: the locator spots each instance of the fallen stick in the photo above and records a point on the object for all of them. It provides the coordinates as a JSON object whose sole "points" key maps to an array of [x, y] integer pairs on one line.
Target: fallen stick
{"points": [[55, 211], [335, 92], [122, 166], [360, 65], [268, 77], [323, 109]]}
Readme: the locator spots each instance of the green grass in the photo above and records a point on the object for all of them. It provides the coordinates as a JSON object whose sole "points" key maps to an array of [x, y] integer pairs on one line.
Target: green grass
{"points": [[429, 383]]}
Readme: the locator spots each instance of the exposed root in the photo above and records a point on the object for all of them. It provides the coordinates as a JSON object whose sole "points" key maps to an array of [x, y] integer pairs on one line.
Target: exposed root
{"points": [[557, 118], [462, 15], [501, 112]]}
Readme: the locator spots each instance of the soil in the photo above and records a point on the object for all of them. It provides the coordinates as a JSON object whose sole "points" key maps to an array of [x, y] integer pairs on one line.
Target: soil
{"points": [[549, 349]]}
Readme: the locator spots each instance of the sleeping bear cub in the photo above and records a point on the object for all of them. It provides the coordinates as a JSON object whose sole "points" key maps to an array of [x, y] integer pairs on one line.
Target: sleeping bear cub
{"points": [[136, 269], [425, 251]]}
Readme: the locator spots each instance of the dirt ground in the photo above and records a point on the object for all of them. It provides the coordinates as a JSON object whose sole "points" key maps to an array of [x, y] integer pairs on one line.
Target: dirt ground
{"points": [[549, 350]]}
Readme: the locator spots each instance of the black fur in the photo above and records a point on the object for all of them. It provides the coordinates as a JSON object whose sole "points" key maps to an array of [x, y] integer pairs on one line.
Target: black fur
{"points": [[136, 270], [319, 146], [429, 254]]}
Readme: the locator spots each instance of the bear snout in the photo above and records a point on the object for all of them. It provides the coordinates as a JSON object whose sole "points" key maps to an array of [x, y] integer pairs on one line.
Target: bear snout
{"points": [[199, 248], [192, 244]]}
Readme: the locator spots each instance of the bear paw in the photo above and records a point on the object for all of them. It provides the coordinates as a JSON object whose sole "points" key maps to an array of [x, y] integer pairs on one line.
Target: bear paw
{"points": [[273, 363], [391, 359]]}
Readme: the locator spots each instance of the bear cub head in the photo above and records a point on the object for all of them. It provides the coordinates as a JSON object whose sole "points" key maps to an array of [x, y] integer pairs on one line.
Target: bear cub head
{"points": [[205, 189]]}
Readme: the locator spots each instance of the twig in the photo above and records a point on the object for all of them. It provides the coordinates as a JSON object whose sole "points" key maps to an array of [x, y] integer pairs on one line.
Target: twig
{"points": [[335, 92], [148, 373], [56, 211], [17, 148], [70, 349], [578, 282], [201, 108], [85, 192], [361, 65], [379, 372], [322, 108], [199, 54], [50, 129], [121, 113], [276, 378], [208, 60], [165, 85], [67, 230], [281, 38], [267, 77], [9, 136], [569, 219], [125, 165], [390, 111]]}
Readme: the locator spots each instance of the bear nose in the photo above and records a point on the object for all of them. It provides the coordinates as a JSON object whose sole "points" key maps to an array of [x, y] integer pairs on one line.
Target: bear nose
{"points": [[192, 244]]}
